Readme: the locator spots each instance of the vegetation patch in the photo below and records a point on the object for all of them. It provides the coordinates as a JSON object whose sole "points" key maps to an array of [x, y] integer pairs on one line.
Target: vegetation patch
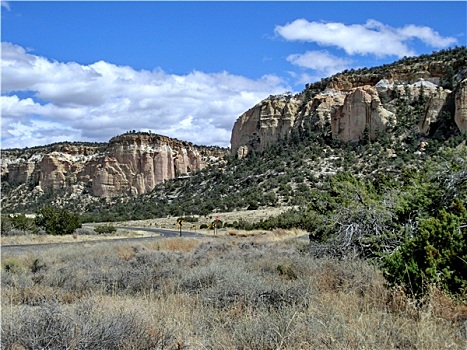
{"points": [[222, 293]]}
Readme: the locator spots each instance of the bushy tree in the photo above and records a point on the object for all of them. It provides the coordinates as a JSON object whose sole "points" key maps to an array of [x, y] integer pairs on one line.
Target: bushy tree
{"points": [[57, 221], [105, 229], [436, 254], [17, 222]]}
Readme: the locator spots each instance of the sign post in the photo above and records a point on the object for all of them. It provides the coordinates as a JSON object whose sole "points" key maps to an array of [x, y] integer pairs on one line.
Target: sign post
{"points": [[215, 225], [180, 224]]}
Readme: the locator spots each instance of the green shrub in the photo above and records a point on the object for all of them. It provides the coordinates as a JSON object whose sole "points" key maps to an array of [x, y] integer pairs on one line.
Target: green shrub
{"points": [[437, 254], [57, 221], [18, 223], [188, 219], [105, 229], [216, 224]]}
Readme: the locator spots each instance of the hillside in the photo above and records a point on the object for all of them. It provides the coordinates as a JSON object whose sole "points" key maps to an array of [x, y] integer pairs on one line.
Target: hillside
{"points": [[129, 164], [384, 207], [366, 123], [361, 104], [395, 195]]}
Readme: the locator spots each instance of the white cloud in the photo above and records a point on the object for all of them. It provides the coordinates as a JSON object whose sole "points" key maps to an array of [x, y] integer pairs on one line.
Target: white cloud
{"points": [[321, 61], [38, 132], [97, 101], [373, 37], [427, 35]]}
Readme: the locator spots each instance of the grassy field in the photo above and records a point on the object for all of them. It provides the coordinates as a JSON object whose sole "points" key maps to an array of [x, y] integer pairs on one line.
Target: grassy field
{"points": [[225, 292]]}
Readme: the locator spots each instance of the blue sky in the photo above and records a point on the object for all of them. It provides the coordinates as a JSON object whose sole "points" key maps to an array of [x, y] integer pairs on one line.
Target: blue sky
{"points": [[86, 71]]}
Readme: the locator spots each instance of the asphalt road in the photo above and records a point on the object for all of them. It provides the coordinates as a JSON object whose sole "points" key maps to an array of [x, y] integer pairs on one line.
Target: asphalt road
{"points": [[9, 250], [162, 233]]}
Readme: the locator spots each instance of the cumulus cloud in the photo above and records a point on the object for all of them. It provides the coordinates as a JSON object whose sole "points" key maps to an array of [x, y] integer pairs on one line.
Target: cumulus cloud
{"points": [[46, 101], [321, 61], [373, 37]]}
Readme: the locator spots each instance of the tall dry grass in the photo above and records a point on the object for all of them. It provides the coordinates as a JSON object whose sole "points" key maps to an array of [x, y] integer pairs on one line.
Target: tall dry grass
{"points": [[221, 293]]}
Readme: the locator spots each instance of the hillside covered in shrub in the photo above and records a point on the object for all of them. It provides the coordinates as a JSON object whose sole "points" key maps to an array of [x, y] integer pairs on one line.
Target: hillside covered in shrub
{"points": [[399, 197]]}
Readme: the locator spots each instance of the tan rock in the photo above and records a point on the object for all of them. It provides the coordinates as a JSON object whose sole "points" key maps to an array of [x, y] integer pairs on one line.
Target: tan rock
{"points": [[436, 100], [264, 124], [53, 170], [362, 109], [19, 172], [461, 106], [110, 178], [130, 164]]}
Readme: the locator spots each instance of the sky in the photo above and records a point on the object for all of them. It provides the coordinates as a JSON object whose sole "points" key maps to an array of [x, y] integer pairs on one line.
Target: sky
{"points": [[88, 71]]}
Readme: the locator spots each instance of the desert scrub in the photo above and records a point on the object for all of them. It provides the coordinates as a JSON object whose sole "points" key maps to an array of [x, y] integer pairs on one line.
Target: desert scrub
{"points": [[436, 254], [105, 229], [57, 221], [95, 323], [217, 293]]}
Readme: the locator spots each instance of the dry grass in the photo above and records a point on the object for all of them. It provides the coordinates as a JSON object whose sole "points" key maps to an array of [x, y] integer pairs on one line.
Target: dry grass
{"points": [[175, 244], [259, 235], [217, 293], [230, 217], [42, 239]]}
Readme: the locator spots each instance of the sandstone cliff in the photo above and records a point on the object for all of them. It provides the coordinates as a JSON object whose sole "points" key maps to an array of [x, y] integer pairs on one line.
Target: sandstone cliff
{"points": [[461, 105], [129, 164], [364, 102], [263, 124]]}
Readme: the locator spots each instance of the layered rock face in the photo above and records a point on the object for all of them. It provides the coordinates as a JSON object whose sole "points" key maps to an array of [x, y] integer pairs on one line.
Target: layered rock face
{"points": [[129, 164], [461, 106], [356, 106], [264, 124], [361, 109]]}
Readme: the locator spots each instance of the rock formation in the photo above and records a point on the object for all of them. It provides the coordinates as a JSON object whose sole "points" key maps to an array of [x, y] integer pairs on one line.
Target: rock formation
{"points": [[356, 103], [461, 106], [350, 113], [129, 164], [361, 110], [264, 124]]}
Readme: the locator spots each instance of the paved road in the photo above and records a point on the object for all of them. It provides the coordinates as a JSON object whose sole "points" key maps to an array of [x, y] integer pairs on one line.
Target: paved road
{"points": [[8, 250], [163, 233]]}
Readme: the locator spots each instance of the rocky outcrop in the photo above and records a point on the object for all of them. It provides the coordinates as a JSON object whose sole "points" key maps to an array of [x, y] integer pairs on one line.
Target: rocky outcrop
{"points": [[352, 111], [21, 172], [53, 170], [129, 164], [362, 110], [428, 91], [110, 178], [461, 106], [264, 124], [436, 100]]}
